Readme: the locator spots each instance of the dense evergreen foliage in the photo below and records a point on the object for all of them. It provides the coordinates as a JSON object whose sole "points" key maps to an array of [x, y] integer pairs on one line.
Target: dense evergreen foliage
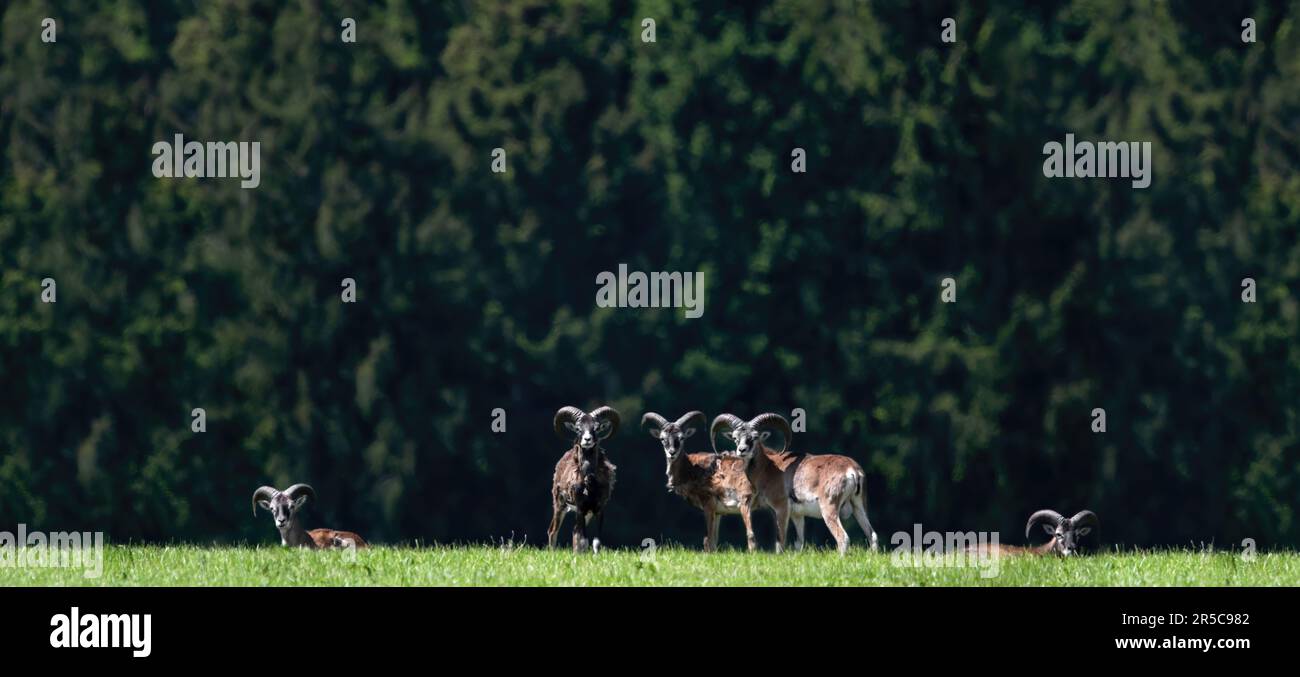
{"points": [[476, 290]]}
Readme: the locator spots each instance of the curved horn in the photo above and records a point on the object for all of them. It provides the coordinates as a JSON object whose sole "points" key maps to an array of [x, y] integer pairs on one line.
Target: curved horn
{"points": [[1050, 516], [566, 415], [1084, 518], [691, 416], [651, 417], [297, 490], [263, 493], [775, 421], [730, 420], [610, 414]]}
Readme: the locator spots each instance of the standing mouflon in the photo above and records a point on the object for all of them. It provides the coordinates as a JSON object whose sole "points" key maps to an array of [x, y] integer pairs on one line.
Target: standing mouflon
{"points": [[584, 476], [716, 484]]}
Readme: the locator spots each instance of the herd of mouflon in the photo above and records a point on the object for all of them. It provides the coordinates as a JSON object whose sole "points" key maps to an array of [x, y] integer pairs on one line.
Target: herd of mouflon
{"points": [[735, 481]]}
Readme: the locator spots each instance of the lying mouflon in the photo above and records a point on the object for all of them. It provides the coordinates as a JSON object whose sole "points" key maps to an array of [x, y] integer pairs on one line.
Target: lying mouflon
{"points": [[284, 507]]}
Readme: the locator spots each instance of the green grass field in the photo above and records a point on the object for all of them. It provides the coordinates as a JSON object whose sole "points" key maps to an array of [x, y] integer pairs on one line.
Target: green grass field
{"points": [[672, 566]]}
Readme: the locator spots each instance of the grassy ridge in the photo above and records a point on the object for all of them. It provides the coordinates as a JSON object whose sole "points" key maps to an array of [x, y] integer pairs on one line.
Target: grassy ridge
{"points": [[486, 565]]}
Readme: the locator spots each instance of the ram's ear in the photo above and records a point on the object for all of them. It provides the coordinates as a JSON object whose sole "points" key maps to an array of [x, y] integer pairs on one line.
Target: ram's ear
{"points": [[1051, 530], [570, 426], [1083, 531], [688, 432], [265, 505], [764, 435], [654, 432], [299, 502]]}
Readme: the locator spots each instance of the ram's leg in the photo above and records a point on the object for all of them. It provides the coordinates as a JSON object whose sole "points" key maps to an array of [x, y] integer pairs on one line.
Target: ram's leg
{"points": [[798, 530], [747, 515], [860, 513], [710, 537], [557, 518], [831, 515], [580, 531], [600, 527], [782, 516]]}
